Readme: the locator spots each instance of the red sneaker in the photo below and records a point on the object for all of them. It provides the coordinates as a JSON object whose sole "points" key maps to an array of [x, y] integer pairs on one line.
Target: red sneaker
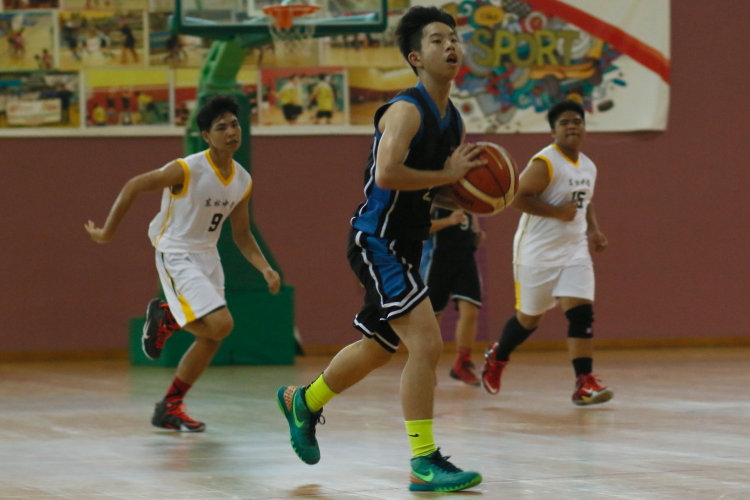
{"points": [[463, 370], [171, 415], [492, 370], [159, 326], [589, 391]]}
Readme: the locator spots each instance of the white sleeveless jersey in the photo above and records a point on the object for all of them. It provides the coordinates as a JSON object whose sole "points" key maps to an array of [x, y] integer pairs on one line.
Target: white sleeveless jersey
{"points": [[191, 221], [548, 242]]}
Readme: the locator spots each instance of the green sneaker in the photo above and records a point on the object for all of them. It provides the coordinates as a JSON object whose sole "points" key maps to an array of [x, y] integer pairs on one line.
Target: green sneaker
{"points": [[435, 473], [301, 422]]}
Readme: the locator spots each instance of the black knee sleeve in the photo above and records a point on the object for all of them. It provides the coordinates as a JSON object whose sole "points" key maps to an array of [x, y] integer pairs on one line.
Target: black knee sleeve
{"points": [[514, 334], [581, 319]]}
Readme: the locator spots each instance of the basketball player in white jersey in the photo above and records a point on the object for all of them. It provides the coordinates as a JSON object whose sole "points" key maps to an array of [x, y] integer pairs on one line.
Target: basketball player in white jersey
{"points": [[199, 193], [551, 259]]}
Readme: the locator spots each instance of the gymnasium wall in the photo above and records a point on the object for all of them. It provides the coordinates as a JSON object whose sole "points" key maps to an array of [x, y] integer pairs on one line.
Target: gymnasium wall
{"points": [[672, 205]]}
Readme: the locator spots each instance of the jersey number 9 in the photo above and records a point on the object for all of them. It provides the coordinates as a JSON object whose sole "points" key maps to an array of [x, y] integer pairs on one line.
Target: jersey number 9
{"points": [[215, 222]]}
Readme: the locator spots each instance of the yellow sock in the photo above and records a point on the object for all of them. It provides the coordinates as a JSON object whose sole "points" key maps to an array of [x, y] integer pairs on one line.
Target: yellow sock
{"points": [[318, 394], [420, 437]]}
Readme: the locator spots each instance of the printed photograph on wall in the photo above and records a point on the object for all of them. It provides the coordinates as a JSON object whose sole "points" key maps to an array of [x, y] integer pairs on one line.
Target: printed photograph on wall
{"points": [[304, 96], [29, 4], [161, 5], [126, 97], [264, 55], [28, 40], [173, 49], [101, 38], [186, 90], [107, 5], [370, 50], [370, 88], [39, 99]]}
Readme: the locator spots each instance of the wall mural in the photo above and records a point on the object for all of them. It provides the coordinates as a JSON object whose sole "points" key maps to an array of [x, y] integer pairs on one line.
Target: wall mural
{"points": [[520, 58]]}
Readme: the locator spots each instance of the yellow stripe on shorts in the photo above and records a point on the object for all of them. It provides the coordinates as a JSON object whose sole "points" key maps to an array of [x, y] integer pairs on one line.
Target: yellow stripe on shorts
{"points": [[186, 309], [518, 295]]}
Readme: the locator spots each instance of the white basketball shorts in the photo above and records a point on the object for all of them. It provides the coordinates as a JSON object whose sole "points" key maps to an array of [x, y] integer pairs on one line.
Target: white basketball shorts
{"points": [[193, 283], [539, 288]]}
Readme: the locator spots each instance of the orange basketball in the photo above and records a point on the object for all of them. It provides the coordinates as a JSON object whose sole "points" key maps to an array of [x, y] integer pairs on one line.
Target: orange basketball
{"points": [[488, 189]]}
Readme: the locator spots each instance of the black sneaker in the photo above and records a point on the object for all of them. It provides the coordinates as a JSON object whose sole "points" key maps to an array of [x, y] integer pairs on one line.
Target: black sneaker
{"points": [[160, 325], [171, 415]]}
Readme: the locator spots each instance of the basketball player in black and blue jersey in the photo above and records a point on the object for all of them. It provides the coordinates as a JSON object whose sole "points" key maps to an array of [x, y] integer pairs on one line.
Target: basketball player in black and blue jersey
{"points": [[450, 271], [418, 147]]}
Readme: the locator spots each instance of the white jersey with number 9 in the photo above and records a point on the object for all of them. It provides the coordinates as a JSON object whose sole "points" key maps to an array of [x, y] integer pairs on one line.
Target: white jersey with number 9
{"points": [[191, 220]]}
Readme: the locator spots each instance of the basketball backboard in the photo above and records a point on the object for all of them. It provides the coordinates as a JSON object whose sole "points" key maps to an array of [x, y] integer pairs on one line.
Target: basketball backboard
{"points": [[212, 18]]}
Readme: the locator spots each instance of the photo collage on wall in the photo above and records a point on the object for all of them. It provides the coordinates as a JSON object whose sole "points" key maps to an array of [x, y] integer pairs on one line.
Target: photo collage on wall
{"points": [[115, 63]]}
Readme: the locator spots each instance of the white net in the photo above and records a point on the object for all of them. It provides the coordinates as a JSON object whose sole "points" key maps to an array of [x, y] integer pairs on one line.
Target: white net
{"points": [[295, 46]]}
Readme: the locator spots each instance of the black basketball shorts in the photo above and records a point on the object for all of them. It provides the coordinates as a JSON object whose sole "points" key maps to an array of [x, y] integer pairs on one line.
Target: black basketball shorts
{"points": [[291, 111], [446, 278], [389, 271]]}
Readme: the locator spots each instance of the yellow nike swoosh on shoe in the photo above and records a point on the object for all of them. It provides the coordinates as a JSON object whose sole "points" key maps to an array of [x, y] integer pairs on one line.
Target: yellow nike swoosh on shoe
{"points": [[425, 477]]}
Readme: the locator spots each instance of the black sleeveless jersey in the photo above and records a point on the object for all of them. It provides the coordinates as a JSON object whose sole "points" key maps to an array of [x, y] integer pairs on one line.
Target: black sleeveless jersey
{"points": [[394, 214], [454, 243]]}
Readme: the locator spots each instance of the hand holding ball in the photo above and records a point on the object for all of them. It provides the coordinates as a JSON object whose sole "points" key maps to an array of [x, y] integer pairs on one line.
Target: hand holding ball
{"points": [[487, 189]]}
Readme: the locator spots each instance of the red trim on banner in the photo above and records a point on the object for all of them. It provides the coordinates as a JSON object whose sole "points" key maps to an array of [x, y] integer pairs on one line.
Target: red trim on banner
{"points": [[623, 42]]}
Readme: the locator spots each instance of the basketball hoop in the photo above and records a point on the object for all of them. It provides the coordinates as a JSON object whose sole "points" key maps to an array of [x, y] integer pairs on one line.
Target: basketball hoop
{"points": [[292, 41]]}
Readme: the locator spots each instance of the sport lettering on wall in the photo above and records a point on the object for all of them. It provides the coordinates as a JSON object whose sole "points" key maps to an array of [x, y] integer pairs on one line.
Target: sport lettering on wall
{"points": [[523, 56]]}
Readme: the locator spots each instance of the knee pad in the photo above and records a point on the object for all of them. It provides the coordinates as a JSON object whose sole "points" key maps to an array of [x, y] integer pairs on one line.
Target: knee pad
{"points": [[581, 319]]}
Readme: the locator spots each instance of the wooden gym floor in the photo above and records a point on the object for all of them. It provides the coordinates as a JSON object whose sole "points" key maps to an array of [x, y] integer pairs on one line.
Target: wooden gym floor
{"points": [[676, 429]]}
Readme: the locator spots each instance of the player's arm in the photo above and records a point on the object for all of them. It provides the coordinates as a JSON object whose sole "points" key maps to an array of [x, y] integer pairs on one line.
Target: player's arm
{"points": [[245, 241], [170, 177], [399, 125], [457, 217], [480, 235], [442, 197], [534, 180], [592, 230]]}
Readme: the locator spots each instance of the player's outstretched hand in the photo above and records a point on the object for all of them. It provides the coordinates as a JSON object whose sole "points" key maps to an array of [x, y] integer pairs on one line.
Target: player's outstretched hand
{"points": [[97, 234], [273, 280], [463, 159], [598, 240], [568, 211]]}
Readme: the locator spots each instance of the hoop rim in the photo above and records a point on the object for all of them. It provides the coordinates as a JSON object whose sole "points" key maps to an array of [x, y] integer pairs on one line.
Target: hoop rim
{"points": [[284, 15]]}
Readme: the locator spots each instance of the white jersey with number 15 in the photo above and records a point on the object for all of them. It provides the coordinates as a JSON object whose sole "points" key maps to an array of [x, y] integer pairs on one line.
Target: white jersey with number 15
{"points": [[548, 242], [191, 221]]}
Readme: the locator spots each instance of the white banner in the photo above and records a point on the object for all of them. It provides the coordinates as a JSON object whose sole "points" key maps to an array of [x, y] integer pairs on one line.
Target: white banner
{"points": [[521, 57], [31, 113]]}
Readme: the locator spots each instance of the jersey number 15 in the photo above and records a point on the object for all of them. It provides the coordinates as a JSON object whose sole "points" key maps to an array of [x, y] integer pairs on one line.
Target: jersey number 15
{"points": [[578, 197]]}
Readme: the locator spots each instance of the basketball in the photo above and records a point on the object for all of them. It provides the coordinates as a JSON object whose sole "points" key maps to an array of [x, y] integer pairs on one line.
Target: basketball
{"points": [[488, 189]]}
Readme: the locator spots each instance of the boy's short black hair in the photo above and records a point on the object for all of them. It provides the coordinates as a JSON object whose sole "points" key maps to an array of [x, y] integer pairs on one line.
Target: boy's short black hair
{"points": [[213, 109], [409, 29], [561, 107]]}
